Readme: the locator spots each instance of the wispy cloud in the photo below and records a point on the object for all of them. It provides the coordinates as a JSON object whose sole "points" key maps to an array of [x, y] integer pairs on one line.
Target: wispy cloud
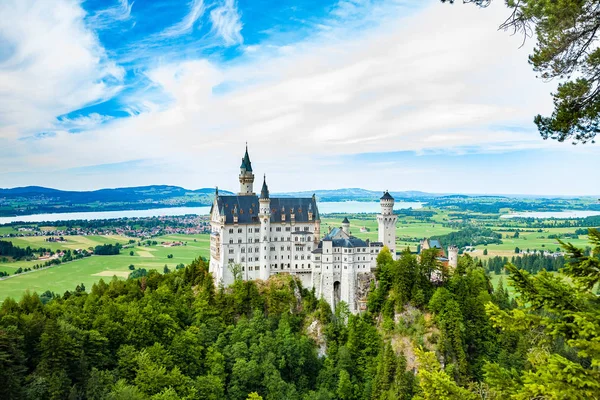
{"points": [[107, 17], [226, 22], [187, 23]]}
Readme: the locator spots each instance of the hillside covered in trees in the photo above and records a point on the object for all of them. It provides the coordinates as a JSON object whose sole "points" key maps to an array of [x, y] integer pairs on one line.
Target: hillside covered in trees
{"points": [[429, 333]]}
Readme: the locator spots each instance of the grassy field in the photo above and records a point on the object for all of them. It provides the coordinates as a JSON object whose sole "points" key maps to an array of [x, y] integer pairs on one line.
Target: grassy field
{"points": [[89, 270]]}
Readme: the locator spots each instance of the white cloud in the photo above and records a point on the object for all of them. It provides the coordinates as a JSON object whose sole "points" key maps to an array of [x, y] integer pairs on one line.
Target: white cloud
{"points": [[442, 80], [187, 23], [50, 64], [227, 23]]}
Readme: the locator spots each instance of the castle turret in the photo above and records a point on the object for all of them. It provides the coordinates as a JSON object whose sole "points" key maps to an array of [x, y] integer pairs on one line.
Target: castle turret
{"points": [[315, 217], [452, 257], [386, 222], [346, 225], [246, 176], [264, 216]]}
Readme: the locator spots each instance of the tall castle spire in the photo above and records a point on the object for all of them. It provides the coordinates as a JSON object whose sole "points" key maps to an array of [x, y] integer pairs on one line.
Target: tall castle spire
{"points": [[264, 192], [246, 176]]}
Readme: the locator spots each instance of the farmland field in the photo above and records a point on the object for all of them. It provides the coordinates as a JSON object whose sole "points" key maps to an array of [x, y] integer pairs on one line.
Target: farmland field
{"points": [[89, 270], [409, 231]]}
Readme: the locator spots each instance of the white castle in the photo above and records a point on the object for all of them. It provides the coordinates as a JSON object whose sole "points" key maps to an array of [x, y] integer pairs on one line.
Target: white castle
{"points": [[254, 237]]}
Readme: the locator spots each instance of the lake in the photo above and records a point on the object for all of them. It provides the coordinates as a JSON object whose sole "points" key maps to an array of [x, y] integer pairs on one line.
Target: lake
{"points": [[552, 214], [324, 208]]}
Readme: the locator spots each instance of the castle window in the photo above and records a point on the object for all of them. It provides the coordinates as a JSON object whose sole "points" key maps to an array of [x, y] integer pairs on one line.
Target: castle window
{"points": [[230, 251], [249, 249], [282, 248], [287, 228], [249, 268], [257, 268], [240, 240], [256, 230], [230, 260], [297, 229], [240, 230], [243, 268], [258, 249], [231, 231], [289, 248], [243, 249], [306, 228], [230, 241], [278, 229], [289, 239], [243, 259], [255, 258]]}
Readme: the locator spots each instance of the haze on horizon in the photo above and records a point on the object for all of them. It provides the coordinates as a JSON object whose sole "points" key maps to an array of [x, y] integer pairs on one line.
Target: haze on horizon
{"points": [[399, 95]]}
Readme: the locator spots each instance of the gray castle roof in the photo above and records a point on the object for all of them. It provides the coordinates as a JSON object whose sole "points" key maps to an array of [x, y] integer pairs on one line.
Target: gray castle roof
{"points": [[345, 221], [248, 208], [386, 196], [342, 239]]}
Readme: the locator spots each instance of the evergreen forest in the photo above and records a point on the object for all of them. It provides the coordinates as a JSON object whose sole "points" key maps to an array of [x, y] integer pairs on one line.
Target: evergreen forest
{"points": [[428, 333]]}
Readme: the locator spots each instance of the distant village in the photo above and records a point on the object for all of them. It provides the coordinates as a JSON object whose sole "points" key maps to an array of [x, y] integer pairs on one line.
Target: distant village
{"points": [[138, 228]]}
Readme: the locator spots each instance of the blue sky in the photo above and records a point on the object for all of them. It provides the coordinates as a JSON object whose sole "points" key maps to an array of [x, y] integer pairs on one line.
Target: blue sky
{"points": [[402, 95]]}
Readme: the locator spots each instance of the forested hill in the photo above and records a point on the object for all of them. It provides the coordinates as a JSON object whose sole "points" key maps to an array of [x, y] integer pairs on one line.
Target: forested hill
{"points": [[428, 334], [36, 200]]}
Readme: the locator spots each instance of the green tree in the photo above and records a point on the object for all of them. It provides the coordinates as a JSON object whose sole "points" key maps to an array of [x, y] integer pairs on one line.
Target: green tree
{"points": [[435, 383], [561, 320]]}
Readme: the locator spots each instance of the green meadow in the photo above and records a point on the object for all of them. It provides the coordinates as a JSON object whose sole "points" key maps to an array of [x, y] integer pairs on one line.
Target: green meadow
{"points": [[67, 276], [89, 270]]}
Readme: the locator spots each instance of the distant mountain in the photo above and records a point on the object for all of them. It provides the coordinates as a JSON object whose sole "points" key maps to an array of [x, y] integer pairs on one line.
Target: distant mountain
{"points": [[39, 200], [358, 194], [36, 200]]}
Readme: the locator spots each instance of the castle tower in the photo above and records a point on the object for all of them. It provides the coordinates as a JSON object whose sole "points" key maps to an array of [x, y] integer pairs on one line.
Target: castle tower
{"points": [[386, 222], [346, 225], [317, 220], [264, 215], [246, 176], [452, 257]]}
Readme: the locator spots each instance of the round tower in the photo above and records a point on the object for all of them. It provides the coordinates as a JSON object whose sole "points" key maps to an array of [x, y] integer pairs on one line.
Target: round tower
{"points": [[246, 176], [264, 216], [452, 257], [346, 225], [386, 222]]}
